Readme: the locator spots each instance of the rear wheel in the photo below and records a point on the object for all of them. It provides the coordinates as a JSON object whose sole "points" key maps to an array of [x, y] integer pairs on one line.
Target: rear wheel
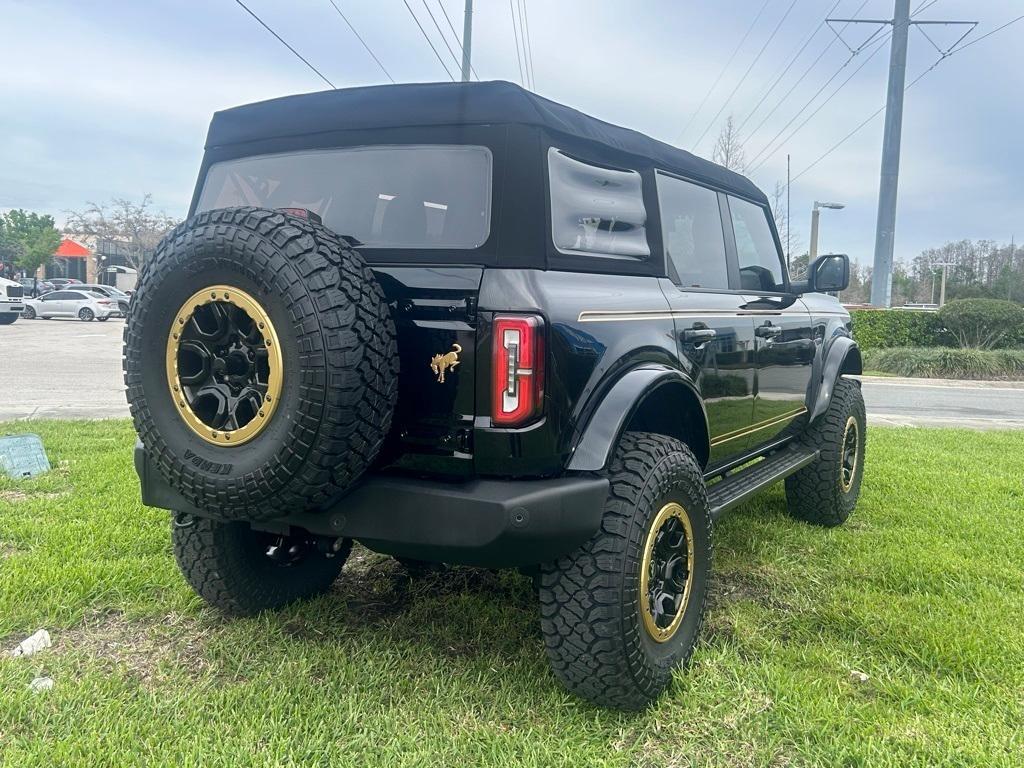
{"points": [[86, 314], [241, 571], [103, 319], [826, 491], [624, 610]]}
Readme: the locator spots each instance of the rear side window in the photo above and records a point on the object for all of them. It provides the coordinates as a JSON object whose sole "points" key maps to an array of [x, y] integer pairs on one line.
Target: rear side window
{"points": [[596, 211], [692, 232], [759, 259], [396, 196]]}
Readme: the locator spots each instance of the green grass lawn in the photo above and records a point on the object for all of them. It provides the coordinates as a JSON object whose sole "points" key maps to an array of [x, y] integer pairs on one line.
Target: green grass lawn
{"points": [[923, 591]]}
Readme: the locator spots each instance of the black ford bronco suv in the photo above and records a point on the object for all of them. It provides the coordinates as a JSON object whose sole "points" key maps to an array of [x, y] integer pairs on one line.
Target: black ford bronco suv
{"points": [[461, 323]]}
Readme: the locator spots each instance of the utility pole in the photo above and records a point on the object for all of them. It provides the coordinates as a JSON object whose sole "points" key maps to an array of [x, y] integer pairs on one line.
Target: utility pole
{"points": [[467, 40], [942, 290], [885, 230], [1009, 277]]}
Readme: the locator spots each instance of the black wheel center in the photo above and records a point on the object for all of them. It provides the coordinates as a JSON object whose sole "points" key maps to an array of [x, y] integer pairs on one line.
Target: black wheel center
{"points": [[223, 366], [668, 572]]}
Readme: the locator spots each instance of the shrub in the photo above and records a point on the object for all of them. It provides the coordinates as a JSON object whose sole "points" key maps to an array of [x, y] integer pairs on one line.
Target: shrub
{"points": [[983, 323], [948, 363], [881, 328]]}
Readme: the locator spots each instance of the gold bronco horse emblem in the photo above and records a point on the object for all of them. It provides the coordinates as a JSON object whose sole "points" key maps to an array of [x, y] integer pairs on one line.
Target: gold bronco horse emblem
{"points": [[446, 362]]}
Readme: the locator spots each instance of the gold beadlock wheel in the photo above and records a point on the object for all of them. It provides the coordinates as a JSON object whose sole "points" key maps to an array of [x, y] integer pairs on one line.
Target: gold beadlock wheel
{"points": [[665, 582], [224, 366], [848, 454]]}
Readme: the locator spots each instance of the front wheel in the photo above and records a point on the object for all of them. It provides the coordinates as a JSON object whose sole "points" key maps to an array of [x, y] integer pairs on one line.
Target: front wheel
{"points": [[624, 610], [242, 571], [826, 491], [9, 318], [86, 314], [29, 313]]}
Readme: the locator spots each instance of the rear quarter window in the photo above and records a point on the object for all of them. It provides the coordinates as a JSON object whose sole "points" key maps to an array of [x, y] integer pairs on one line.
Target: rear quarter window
{"points": [[395, 196], [596, 211]]}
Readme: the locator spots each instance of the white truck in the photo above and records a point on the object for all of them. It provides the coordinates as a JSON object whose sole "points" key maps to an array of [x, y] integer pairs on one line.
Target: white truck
{"points": [[12, 302]]}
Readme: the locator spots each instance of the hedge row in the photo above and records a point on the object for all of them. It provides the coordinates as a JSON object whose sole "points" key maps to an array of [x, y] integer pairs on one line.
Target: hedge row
{"points": [[946, 363], [883, 328]]}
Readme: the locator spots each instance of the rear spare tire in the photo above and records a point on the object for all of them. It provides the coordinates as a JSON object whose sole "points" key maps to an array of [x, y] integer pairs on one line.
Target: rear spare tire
{"points": [[260, 361]]}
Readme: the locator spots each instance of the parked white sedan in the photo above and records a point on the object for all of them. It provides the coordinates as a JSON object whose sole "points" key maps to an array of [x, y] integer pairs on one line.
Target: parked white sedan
{"points": [[85, 305]]}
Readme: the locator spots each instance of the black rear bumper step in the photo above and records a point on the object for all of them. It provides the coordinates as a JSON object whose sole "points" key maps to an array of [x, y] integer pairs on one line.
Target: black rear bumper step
{"points": [[737, 487]]}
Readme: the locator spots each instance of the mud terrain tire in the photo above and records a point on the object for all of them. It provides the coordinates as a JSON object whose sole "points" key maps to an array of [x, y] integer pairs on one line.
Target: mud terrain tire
{"points": [[592, 602]]}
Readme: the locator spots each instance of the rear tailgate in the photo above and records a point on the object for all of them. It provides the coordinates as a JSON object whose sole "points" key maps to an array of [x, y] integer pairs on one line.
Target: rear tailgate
{"points": [[435, 314]]}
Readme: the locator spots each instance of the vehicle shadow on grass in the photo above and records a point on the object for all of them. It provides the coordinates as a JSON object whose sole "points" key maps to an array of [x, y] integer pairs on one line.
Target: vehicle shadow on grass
{"points": [[457, 611]]}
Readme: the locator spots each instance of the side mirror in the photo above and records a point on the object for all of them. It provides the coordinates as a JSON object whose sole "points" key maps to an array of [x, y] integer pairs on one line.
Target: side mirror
{"points": [[829, 273]]}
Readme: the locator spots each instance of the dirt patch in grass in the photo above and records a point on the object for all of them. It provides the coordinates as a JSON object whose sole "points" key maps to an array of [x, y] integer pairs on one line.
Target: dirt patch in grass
{"points": [[146, 648], [377, 587], [7, 550], [729, 588]]}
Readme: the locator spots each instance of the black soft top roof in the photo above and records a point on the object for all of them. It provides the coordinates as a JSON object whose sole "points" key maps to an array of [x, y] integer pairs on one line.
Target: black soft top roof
{"points": [[444, 104]]}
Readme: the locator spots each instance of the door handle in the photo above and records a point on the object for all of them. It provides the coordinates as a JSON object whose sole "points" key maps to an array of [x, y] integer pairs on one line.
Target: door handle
{"points": [[768, 331], [699, 335]]}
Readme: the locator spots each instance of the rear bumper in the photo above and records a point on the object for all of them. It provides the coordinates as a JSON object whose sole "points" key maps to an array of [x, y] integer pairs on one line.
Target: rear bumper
{"points": [[484, 522]]}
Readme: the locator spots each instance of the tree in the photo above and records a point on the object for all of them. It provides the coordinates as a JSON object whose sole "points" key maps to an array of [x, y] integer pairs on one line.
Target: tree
{"points": [[133, 226], [28, 239], [728, 149]]}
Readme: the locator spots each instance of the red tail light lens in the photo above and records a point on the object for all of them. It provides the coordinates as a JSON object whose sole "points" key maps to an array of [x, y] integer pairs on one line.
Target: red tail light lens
{"points": [[518, 383]]}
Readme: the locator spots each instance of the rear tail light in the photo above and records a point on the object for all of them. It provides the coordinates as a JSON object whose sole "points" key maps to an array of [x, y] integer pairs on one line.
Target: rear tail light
{"points": [[518, 383], [104, 301]]}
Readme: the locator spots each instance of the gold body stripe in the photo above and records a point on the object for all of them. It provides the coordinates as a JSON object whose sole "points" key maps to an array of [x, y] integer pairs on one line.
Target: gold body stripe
{"points": [[737, 433], [613, 315]]}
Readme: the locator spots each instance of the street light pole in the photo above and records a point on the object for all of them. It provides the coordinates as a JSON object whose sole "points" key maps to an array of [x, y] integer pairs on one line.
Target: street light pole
{"points": [[815, 213]]}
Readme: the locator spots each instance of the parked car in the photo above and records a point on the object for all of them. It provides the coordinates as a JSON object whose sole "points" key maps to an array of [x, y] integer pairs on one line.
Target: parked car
{"points": [[506, 335], [85, 305], [12, 301], [123, 299], [63, 282], [36, 288]]}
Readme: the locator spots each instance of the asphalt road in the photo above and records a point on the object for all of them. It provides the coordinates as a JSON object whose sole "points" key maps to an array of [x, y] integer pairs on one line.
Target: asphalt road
{"points": [[72, 369], [942, 403], [61, 369]]}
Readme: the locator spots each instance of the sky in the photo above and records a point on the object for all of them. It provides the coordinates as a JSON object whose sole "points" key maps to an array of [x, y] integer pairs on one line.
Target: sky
{"points": [[112, 98]]}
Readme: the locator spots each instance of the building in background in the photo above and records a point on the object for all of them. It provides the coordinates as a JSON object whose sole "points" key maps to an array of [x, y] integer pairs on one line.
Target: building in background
{"points": [[71, 259]]}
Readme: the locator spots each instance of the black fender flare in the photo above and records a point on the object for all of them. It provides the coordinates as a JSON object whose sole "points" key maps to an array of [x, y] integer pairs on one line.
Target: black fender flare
{"points": [[593, 449], [843, 357]]}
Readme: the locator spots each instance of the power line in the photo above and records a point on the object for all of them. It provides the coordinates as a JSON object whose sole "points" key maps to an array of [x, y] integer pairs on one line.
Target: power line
{"points": [[767, 157], [427, 38], [360, 38], [721, 74], [455, 34], [879, 111], [285, 44], [743, 79], [444, 39], [525, 17], [788, 66], [515, 33], [803, 76], [977, 40]]}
